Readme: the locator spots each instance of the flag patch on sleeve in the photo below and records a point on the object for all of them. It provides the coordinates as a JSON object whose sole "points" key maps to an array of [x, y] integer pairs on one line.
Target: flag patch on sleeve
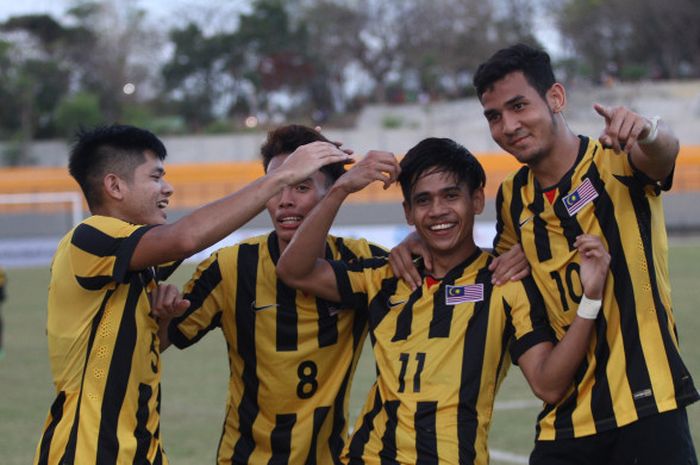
{"points": [[578, 199]]}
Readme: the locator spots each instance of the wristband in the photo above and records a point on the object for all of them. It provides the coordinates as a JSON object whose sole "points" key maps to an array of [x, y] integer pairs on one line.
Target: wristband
{"points": [[588, 308], [653, 132]]}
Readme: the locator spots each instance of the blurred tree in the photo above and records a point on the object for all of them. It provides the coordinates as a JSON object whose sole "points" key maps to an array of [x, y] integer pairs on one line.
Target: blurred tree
{"points": [[195, 75], [121, 62], [278, 55], [633, 38], [74, 111], [34, 77], [423, 47], [331, 27]]}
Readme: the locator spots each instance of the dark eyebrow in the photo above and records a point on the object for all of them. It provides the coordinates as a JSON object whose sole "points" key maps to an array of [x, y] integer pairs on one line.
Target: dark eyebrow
{"points": [[416, 195], [158, 170], [488, 113], [515, 99]]}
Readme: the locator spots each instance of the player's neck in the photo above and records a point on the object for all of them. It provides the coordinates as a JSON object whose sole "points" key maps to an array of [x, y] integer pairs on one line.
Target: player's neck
{"points": [[559, 159], [109, 210], [445, 261]]}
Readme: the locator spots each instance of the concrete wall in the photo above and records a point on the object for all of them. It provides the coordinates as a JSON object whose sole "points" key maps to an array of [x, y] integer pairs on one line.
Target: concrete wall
{"points": [[677, 102]]}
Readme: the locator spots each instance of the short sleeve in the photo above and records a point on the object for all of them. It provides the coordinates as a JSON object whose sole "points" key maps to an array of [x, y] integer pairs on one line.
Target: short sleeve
{"points": [[528, 316], [101, 250], [208, 299]]}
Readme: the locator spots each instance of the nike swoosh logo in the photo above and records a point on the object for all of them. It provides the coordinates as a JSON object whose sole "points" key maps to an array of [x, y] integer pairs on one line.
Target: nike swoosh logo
{"points": [[395, 304], [525, 221], [261, 307]]}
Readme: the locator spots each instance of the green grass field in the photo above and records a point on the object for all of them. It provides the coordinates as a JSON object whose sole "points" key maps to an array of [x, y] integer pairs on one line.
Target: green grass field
{"points": [[194, 381]]}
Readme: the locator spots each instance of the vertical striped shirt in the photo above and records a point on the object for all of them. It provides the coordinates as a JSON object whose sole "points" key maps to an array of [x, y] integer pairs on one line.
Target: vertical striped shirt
{"points": [[3, 283], [633, 368], [104, 351], [291, 355], [439, 364]]}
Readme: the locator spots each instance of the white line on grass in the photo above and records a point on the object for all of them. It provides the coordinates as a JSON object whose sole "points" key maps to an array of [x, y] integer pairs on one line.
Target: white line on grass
{"points": [[507, 456], [516, 404]]}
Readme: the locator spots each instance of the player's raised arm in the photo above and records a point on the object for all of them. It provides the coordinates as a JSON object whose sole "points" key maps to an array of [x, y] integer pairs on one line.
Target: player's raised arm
{"points": [[214, 221], [650, 141], [550, 369], [299, 265]]}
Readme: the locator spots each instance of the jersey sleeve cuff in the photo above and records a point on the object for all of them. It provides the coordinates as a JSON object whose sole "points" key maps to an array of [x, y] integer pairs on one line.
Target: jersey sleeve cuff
{"points": [[177, 338], [347, 296], [126, 251], [529, 340], [663, 185]]}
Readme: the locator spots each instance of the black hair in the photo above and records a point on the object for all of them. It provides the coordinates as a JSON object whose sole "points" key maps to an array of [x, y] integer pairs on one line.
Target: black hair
{"points": [[286, 139], [440, 155], [534, 63], [115, 149]]}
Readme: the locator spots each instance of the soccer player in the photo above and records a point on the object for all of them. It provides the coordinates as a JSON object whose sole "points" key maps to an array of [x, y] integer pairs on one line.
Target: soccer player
{"points": [[629, 405], [441, 349], [291, 355], [103, 339]]}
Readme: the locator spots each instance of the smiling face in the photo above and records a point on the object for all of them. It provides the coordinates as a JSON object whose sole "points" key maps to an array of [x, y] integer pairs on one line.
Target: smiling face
{"points": [[521, 121], [442, 210], [146, 194], [289, 208]]}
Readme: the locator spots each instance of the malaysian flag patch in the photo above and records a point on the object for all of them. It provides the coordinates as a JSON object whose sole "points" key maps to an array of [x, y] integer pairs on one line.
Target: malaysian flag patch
{"points": [[580, 197], [459, 294]]}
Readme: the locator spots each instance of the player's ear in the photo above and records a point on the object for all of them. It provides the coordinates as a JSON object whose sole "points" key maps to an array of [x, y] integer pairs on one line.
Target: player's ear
{"points": [[478, 200], [113, 186], [556, 98], [407, 213]]}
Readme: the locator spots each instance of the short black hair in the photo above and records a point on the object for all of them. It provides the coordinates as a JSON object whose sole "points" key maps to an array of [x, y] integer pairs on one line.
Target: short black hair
{"points": [[286, 139], [534, 63], [109, 149], [440, 155]]}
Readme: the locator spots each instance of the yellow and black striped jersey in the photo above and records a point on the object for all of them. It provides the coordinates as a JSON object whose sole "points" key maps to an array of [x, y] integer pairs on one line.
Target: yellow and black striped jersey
{"points": [[291, 355], [3, 283], [103, 349], [633, 367], [441, 353]]}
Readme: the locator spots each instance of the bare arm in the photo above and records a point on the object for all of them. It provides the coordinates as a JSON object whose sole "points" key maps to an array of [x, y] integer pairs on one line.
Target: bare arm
{"points": [[299, 265], [549, 368], [214, 221], [626, 130]]}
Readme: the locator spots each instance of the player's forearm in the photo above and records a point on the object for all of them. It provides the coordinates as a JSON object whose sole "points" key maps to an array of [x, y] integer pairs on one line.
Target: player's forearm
{"points": [[656, 159], [555, 373], [309, 241], [163, 334], [206, 225]]}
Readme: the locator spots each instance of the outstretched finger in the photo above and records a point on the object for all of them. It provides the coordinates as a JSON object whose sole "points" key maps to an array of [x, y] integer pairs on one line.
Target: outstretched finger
{"points": [[603, 111]]}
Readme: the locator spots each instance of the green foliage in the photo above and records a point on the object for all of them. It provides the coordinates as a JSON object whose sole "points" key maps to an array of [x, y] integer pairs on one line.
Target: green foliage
{"points": [[308, 51], [195, 380], [392, 122], [634, 72], [81, 109], [220, 126]]}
